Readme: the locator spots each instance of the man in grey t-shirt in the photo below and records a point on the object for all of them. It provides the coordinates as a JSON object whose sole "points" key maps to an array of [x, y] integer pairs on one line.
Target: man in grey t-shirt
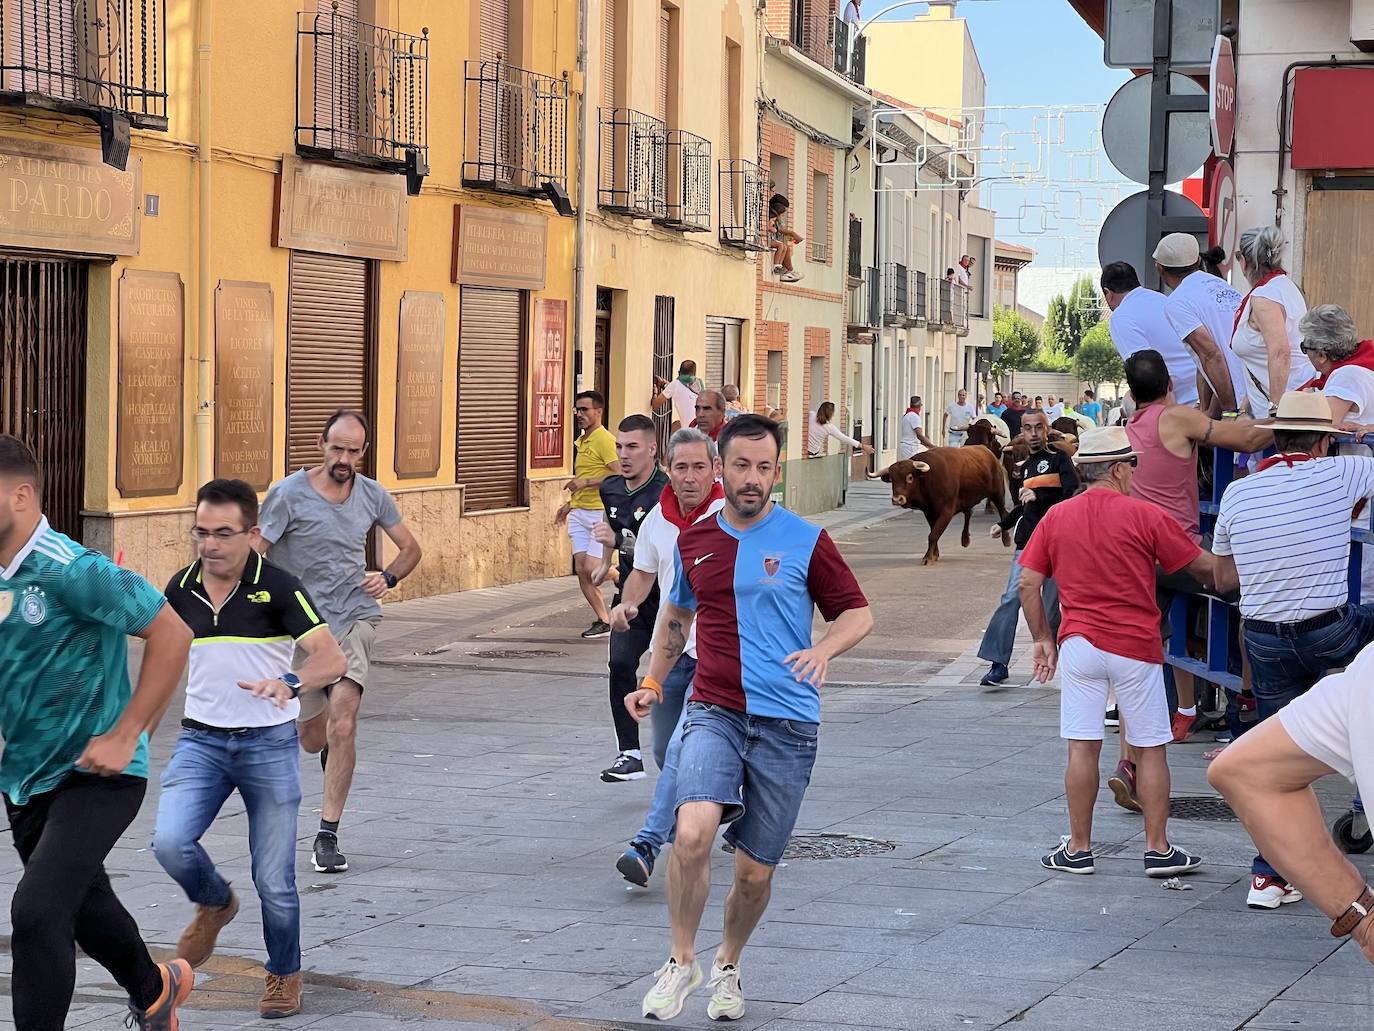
{"points": [[316, 523]]}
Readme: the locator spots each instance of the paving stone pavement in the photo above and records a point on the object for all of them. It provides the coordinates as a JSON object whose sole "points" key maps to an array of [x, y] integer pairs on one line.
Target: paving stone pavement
{"points": [[482, 893]]}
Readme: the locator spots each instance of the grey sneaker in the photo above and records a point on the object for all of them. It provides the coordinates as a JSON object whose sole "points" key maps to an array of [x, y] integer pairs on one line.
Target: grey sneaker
{"points": [[727, 1000], [669, 993], [326, 857], [177, 980]]}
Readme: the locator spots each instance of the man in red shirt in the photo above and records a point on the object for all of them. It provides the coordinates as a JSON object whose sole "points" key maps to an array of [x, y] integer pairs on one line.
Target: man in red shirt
{"points": [[1108, 640]]}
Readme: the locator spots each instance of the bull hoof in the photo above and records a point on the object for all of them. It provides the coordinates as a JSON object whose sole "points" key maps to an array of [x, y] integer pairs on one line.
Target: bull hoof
{"points": [[964, 540], [930, 560]]}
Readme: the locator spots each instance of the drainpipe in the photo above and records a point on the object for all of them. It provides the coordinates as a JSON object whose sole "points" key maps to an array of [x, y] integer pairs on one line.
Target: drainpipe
{"points": [[580, 248], [879, 213], [205, 456]]}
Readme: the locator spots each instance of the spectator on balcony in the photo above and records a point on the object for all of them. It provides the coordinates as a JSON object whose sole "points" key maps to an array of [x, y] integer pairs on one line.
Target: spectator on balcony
{"points": [[783, 238], [852, 14], [822, 426], [1283, 536], [1266, 335], [1138, 323], [913, 439], [963, 272], [949, 275], [1202, 310], [733, 404], [681, 393]]}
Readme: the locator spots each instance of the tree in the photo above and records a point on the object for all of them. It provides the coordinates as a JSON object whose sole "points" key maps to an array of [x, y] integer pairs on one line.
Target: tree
{"points": [[1018, 339], [1052, 359], [1097, 360], [1083, 311], [1055, 333]]}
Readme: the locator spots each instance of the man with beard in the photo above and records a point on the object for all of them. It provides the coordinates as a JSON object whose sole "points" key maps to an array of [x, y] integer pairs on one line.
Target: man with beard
{"points": [[315, 523], [749, 579]]}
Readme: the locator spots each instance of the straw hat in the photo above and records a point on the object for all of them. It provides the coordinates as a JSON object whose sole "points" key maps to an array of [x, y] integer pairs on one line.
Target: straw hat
{"points": [[1304, 411], [1108, 444]]}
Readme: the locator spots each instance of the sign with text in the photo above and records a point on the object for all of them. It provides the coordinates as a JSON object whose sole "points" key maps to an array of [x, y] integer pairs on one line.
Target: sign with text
{"points": [[1221, 102], [336, 210], [244, 368], [419, 384], [150, 427], [550, 383], [66, 199], [499, 248]]}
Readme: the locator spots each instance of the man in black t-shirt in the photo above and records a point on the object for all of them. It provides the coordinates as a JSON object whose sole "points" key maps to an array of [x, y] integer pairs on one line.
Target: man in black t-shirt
{"points": [[627, 499]]}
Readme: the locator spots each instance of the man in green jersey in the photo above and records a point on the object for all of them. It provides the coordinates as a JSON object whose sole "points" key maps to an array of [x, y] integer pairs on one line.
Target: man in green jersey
{"points": [[75, 763]]}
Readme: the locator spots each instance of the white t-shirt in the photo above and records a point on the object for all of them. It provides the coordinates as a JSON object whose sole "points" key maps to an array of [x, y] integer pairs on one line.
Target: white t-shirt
{"points": [[684, 400], [1356, 385], [656, 551], [818, 431], [961, 416], [1248, 343], [1289, 531], [1139, 324], [1054, 411], [910, 444], [1208, 301], [851, 13], [961, 275]]}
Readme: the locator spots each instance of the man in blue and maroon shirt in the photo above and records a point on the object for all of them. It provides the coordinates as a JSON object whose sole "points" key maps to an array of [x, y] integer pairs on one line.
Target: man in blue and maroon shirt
{"points": [[750, 578]]}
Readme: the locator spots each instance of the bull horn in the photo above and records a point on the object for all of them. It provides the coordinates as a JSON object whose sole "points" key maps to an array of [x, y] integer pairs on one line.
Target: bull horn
{"points": [[920, 467], [878, 475]]}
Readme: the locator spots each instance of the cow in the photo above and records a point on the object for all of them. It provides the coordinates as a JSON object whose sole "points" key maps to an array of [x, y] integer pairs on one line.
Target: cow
{"points": [[943, 481], [1067, 425], [981, 434]]}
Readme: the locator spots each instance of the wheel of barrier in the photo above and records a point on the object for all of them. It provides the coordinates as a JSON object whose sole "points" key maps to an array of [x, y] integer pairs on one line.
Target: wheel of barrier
{"points": [[1352, 833]]}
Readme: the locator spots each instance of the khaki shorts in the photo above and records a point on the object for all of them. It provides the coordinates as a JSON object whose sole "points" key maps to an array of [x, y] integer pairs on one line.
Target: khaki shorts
{"points": [[357, 648]]}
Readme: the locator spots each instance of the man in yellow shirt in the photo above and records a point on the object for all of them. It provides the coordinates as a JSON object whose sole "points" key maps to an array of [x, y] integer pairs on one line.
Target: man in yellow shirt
{"points": [[594, 458]]}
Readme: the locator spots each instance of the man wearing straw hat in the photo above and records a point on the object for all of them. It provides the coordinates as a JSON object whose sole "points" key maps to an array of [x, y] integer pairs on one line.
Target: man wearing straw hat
{"points": [[1283, 535], [1108, 640]]}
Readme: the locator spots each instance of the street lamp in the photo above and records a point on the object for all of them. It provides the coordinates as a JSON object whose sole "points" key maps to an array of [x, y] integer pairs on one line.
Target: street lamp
{"points": [[888, 10]]}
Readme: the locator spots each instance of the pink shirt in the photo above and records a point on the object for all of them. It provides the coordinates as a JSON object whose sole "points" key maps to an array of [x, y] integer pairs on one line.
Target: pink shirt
{"points": [[1161, 477]]}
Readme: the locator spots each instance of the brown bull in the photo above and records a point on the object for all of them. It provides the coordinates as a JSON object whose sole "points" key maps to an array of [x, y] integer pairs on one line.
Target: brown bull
{"points": [[981, 433], [1067, 425], [943, 481]]}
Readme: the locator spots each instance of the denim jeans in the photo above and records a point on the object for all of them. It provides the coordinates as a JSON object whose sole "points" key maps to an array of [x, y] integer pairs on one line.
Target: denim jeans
{"points": [[667, 716], [264, 765], [1000, 636], [1285, 665]]}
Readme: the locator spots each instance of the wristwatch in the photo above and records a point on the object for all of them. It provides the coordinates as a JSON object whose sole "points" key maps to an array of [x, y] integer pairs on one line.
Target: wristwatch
{"points": [[1355, 912], [391, 578], [293, 682]]}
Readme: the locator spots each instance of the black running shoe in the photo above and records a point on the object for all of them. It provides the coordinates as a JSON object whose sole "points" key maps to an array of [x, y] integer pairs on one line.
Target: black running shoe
{"points": [[994, 676], [625, 767], [326, 857], [1171, 863], [1069, 862], [636, 865], [598, 629]]}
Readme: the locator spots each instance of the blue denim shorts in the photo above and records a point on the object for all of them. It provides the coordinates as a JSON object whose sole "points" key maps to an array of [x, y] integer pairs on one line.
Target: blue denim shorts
{"points": [[757, 767]]}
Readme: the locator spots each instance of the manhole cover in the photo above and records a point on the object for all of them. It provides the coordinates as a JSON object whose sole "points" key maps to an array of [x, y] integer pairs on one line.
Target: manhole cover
{"points": [[830, 846], [514, 654], [1201, 807]]}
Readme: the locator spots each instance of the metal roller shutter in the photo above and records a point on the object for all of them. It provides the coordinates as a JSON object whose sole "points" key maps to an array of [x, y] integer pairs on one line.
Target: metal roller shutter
{"points": [[662, 110], [328, 349], [494, 27], [609, 46], [715, 354], [491, 380]]}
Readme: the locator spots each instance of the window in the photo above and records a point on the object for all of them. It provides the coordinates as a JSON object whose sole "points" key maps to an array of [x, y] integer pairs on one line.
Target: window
{"points": [[774, 394], [819, 228], [817, 380], [937, 267], [779, 175], [722, 352], [665, 309]]}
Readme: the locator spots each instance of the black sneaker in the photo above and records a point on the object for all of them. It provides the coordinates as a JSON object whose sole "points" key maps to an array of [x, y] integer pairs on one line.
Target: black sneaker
{"points": [[626, 767], [636, 865], [326, 857], [1170, 863], [1113, 717], [994, 676], [1069, 862], [598, 629]]}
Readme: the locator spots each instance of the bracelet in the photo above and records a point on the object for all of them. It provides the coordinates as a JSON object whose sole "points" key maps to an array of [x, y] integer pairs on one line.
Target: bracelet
{"points": [[1354, 914], [650, 684]]}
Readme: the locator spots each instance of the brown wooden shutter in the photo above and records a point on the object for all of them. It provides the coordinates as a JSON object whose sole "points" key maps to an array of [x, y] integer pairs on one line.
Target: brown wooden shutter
{"points": [[491, 385], [662, 111], [715, 354], [494, 27], [328, 349]]}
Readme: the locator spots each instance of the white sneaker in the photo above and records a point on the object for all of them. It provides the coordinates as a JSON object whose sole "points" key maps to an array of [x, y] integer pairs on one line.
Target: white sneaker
{"points": [[1270, 893], [668, 995], [792, 277], [727, 1000]]}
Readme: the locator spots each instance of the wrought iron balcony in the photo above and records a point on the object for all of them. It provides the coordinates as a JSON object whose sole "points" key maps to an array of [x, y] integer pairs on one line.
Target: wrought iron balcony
{"points": [[517, 129], [865, 300], [362, 93], [959, 309], [897, 300], [855, 269], [634, 163], [688, 205], [742, 205], [850, 51], [103, 59], [949, 305], [918, 294]]}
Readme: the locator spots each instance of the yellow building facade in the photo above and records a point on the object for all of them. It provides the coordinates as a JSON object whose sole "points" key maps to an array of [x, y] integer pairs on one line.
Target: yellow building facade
{"points": [[324, 205]]}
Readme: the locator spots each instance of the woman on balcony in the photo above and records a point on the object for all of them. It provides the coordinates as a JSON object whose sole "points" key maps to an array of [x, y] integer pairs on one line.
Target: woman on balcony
{"points": [[782, 238]]}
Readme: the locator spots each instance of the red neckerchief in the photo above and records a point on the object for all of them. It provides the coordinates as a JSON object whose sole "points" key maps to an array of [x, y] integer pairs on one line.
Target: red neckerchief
{"points": [[1363, 358], [674, 514], [1240, 312], [713, 434], [911, 411], [1290, 459]]}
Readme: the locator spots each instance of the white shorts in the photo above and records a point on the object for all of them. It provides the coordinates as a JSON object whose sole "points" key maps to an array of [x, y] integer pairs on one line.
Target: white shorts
{"points": [[1334, 722], [581, 523], [1086, 674]]}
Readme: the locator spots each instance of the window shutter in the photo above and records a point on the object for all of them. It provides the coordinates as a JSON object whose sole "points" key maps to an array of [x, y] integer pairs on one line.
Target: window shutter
{"points": [[494, 31], [662, 111], [715, 354], [491, 346]]}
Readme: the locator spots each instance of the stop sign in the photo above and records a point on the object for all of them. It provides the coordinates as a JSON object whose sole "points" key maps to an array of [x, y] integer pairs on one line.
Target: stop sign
{"points": [[1221, 107]]}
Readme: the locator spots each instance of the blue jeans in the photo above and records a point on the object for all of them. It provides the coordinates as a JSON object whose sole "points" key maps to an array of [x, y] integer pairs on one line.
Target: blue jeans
{"points": [[1000, 636], [205, 768], [1285, 664], [667, 716]]}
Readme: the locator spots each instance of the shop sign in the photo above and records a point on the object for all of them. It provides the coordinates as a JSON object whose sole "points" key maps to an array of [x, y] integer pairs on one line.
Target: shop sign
{"points": [[244, 370], [498, 248], [334, 210], [59, 198], [419, 384], [550, 383], [150, 423]]}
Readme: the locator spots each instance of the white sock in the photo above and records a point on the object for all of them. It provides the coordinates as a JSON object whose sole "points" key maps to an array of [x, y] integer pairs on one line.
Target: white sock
{"points": [[1190, 711], [633, 753]]}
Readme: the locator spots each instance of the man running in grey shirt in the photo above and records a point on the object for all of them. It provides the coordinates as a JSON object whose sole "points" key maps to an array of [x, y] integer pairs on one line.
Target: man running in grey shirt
{"points": [[316, 523]]}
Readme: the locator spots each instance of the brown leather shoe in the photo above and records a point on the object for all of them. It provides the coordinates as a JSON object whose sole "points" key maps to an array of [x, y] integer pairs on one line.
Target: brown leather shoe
{"points": [[198, 940], [281, 997]]}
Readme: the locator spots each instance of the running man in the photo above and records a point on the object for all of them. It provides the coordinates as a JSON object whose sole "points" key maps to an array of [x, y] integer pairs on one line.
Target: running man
{"points": [[694, 494], [239, 731], [628, 497], [594, 459], [75, 763], [754, 574], [314, 524]]}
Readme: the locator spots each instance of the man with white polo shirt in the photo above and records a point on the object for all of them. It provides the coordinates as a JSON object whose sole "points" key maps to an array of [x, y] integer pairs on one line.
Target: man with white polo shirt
{"points": [[1138, 323]]}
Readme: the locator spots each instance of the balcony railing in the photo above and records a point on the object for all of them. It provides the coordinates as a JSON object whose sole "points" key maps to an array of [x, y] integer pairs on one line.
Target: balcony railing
{"points": [[104, 59], [855, 269], [517, 128], [688, 206], [850, 51], [634, 163], [865, 300], [362, 93], [949, 305], [959, 309], [897, 300], [742, 208], [919, 294]]}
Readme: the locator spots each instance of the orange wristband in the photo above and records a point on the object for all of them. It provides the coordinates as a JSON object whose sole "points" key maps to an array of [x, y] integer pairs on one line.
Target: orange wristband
{"points": [[650, 684]]}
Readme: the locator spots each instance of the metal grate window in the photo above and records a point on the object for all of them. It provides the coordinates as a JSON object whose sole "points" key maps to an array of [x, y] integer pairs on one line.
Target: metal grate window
{"points": [[688, 203], [664, 312], [634, 164], [896, 293], [517, 128]]}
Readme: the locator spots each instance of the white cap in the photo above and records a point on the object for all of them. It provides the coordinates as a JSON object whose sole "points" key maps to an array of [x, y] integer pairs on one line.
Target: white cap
{"points": [[1177, 250]]}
